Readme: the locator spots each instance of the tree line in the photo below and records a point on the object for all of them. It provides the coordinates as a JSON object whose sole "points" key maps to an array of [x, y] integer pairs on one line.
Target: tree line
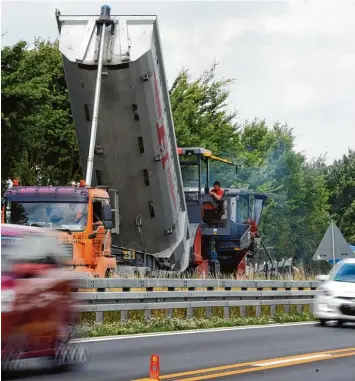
{"points": [[39, 146]]}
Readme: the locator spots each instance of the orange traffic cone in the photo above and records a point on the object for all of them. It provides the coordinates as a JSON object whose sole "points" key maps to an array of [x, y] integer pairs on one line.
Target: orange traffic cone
{"points": [[154, 369]]}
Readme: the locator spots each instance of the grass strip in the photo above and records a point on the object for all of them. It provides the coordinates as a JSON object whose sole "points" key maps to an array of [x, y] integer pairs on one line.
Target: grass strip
{"points": [[166, 324]]}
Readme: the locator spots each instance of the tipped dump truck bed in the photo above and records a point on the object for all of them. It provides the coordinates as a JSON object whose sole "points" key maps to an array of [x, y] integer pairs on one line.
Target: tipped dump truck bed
{"points": [[136, 152]]}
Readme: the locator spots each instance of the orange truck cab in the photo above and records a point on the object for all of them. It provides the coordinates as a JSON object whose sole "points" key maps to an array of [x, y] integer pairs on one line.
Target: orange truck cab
{"points": [[82, 215]]}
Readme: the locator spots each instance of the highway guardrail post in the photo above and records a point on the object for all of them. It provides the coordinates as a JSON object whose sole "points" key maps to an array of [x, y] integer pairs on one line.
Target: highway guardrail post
{"points": [[100, 314], [124, 314], [171, 310]]}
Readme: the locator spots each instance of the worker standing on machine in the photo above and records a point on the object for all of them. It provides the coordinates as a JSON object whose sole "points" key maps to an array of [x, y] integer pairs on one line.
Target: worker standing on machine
{"points": [[217, 192]]}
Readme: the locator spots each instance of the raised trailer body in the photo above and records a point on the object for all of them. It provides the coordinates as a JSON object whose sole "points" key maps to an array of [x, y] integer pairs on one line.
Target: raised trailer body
{"points": [[135, 148]]}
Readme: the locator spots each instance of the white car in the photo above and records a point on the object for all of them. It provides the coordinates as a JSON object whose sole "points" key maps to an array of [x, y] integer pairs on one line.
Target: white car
{"points": [[336, 298]]}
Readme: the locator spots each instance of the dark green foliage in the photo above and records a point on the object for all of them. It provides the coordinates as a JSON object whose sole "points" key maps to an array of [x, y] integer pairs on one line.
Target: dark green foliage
{"points": [[340, 180], [38, 137], [200, 115]]}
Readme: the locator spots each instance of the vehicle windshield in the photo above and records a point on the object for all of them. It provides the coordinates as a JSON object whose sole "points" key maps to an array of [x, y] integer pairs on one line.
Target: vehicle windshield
{"points": [[219, 171], [71, 216], [346, 273], [190, 176]]}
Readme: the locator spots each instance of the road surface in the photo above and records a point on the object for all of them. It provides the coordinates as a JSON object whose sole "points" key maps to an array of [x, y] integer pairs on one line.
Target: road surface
{"points": [[265, 350]]}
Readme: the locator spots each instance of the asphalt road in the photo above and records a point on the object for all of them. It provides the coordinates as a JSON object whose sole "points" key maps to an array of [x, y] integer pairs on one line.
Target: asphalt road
{"points": [[128, 359]]}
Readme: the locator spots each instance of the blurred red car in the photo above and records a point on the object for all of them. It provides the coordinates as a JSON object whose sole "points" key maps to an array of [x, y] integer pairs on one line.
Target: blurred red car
{"points": [[37, 309]]}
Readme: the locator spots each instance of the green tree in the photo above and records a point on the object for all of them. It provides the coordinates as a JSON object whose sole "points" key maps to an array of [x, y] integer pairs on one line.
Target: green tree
{"points": [[297, 209], [38, 137], [201, 115], [341, 185], [272, 166], [317, 210]]}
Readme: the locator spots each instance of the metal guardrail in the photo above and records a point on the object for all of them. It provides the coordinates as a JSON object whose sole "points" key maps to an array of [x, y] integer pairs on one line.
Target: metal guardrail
{"points": [[149, 283], [182, 294]]}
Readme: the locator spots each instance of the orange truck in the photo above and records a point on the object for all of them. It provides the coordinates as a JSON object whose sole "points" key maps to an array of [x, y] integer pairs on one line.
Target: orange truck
{"points": [[82, 215]]}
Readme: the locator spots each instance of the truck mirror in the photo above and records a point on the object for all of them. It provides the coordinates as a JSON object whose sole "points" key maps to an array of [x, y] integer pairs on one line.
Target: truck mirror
{"points": [[107, 213], [100, 229], [106, 225]]}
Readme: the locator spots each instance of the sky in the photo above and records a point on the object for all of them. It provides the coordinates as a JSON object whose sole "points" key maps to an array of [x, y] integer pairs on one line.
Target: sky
{"points": [[293, 61]]}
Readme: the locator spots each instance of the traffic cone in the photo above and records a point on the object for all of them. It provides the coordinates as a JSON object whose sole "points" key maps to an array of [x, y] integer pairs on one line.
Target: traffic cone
{"points": [[154, 369]]}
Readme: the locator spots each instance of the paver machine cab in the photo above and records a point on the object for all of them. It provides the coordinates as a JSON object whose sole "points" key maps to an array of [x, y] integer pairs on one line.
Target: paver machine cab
{"points": [[121, 110]]}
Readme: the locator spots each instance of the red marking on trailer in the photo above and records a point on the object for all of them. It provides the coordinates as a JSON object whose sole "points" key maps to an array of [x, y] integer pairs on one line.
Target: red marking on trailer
{"points": [[162, 137]]}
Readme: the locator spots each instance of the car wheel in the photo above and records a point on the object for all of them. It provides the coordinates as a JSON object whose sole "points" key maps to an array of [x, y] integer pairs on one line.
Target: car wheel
{"points": [[340, 323], [322, 322]]}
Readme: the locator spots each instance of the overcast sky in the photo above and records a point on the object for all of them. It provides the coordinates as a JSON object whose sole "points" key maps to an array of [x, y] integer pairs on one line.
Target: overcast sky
{"points": [[294, 60]]}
